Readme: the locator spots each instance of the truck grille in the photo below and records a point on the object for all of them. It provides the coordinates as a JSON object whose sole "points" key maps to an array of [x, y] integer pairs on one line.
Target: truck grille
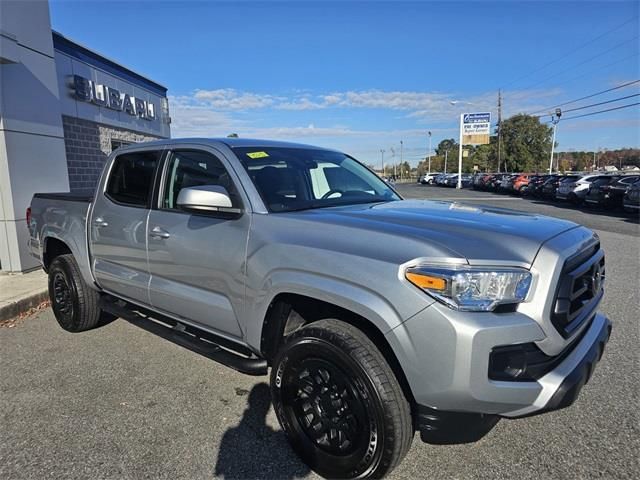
{"points": [[580, 289]]}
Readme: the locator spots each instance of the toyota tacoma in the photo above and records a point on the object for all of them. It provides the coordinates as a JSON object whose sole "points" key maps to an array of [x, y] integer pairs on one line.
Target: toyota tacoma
{"points": [[377, 317]]}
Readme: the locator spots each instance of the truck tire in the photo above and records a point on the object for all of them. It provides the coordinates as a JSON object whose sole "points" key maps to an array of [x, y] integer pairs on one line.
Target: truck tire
{"points": [[339, 402], [74, 303]]}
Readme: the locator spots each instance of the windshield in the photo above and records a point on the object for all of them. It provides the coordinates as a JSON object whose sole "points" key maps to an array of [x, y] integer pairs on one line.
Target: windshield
{"points": [[291, 179]]}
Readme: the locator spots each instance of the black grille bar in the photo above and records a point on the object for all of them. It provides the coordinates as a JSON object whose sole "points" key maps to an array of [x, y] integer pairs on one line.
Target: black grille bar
{"points": [[580, 289]]}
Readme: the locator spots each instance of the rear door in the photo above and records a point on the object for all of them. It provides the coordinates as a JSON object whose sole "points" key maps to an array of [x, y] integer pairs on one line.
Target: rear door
{"points": [[197, 261], [118, 225]]}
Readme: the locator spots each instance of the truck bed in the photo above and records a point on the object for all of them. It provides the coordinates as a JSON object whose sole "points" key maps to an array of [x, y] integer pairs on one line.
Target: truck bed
{"points": [[72, 197], [61, 216]]}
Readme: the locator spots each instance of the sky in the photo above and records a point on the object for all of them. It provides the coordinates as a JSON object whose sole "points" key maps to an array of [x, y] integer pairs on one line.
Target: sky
{"points": [[365, 76]]}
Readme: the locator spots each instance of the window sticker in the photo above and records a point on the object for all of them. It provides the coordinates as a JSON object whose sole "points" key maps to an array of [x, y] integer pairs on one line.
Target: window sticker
{"points": [[255, 155]]}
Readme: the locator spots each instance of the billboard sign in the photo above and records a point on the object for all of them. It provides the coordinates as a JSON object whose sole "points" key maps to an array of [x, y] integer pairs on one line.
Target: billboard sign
{"points": [[475, 128]]}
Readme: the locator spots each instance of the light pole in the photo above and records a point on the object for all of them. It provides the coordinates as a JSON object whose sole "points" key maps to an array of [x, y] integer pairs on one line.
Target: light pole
{"points": [[401, 163], [555, 118], [382, 153], [429, 155], [393, 156], [446, 157]]}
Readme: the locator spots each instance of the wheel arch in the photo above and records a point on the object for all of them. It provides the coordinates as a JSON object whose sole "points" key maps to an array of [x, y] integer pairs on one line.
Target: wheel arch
{"points": [[53, 247], [290, 311]]}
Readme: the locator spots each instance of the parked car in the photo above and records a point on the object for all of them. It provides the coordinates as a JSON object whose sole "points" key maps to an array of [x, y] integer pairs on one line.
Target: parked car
{"points": [[477, 180], [506, 183], [609, 192], [442, 179], [631, 199], [452, 180], [550, 186], [520, 183], [574, 189], [429, 178], [534, 188], [493, 183], [566, 186], [251, 253]]}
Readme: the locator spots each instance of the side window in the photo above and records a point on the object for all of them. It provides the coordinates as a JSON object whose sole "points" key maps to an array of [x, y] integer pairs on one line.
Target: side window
{"points": [[193, 168], [131, 178]]}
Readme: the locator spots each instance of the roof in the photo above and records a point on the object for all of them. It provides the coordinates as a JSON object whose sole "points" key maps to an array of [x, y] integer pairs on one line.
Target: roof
{"points": [[229, 142], [84, 54]]}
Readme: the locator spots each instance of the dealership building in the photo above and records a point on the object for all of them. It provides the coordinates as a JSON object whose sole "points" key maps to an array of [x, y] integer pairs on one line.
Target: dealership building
{"points": [[63, 109]]}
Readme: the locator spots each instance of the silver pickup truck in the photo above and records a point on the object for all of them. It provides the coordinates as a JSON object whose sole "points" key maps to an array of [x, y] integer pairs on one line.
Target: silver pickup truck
{"points": [[378, 316]]}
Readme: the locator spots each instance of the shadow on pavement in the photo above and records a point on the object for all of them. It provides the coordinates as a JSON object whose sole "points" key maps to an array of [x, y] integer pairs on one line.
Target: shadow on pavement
{"points": [[254, 450]]}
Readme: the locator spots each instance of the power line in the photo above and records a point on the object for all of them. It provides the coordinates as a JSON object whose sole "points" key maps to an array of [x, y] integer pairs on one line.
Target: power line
{"points": [[587, 96], [594, 104], [571, 52], [599, 111], [578, 64]]}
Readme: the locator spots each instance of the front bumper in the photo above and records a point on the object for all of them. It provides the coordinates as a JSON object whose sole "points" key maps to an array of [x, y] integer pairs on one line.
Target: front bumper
{"points": [[445, 357]]}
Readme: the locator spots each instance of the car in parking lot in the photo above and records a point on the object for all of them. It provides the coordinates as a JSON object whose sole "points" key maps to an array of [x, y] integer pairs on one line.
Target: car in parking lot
{"points": [[608, 192], [429, 178], [575, 191], [520, 183], [493, 182], [631, 199], [452, 180], [534, 188], [566, 186], [550, 186]]}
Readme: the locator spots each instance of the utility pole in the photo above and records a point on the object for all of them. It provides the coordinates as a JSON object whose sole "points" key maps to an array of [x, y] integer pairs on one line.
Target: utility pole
{"points": [[459, 186], [401, 160], [382, 153], [393, 156], [499, 127], [429, 155], [555, 118]]}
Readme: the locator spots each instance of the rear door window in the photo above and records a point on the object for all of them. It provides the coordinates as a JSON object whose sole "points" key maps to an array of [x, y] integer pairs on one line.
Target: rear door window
{"points": [[131, 178], [195, 168]]}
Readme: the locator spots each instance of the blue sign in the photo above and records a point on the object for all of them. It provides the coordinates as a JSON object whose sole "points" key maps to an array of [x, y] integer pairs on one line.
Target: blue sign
{"points": [[477, 118]]}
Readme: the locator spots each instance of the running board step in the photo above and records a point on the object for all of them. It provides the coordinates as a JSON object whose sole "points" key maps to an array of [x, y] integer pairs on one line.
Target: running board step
{"points": [[185, 336]]}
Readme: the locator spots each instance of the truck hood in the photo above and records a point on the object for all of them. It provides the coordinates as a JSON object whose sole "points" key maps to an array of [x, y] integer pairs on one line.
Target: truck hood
{"points": [[479, 234]]}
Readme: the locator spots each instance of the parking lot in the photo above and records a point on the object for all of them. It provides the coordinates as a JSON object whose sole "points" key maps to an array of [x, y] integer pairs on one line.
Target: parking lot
{"points": [[118, 402]]}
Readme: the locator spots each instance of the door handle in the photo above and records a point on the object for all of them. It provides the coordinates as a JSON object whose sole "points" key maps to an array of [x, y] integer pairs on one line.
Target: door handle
{"points": [[158, 232], [99, 222]]}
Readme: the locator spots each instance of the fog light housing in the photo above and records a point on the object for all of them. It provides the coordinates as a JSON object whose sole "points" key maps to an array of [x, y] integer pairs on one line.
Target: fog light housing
{"points": [[508, 363]]}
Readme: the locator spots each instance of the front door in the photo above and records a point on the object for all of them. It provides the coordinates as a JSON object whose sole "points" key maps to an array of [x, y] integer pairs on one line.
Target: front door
{"points": [[118, 225], [197, 261]]}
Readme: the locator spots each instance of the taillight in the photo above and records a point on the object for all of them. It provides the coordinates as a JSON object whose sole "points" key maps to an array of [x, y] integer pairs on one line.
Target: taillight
{"points": [[28, 216]]}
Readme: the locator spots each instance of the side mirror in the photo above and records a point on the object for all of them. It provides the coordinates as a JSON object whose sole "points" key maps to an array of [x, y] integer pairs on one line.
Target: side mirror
{"points": [[206, 198]]}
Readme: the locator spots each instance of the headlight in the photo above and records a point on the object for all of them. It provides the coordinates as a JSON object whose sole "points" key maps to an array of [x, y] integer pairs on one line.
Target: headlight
{"points": [[472, 289]]}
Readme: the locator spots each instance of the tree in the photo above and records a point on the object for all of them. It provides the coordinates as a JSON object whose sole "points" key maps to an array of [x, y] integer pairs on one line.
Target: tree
{"points": [[526, 143]]}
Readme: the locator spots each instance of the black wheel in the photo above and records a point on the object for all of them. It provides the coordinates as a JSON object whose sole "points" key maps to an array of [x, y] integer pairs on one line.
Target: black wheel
{"points": [[74, 304], [339, 402], [575, 199]]}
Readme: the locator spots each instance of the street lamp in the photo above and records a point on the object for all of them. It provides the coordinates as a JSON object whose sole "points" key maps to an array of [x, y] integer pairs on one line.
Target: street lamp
{"points": [[401, 162], [555, 118], [393, 156], [429, 155], [382, 153]]}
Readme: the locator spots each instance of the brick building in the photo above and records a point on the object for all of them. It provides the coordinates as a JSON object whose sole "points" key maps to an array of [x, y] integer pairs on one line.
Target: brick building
{"points": [[63, 109]]}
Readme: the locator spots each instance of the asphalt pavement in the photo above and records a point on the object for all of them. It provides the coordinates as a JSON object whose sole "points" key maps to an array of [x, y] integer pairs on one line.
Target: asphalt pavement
{"points": [[118, 402]]}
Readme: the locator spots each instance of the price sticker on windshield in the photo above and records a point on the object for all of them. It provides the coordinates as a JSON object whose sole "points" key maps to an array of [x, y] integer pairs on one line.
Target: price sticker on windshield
{"points": [[255, 155]]}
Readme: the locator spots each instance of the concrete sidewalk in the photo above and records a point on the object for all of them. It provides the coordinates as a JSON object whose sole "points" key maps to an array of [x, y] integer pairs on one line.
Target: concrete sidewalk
{"points": [[20, 292]]}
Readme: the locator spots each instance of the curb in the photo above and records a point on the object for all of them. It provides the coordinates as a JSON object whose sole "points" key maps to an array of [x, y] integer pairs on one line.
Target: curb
{"points": [[22, 305]]}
